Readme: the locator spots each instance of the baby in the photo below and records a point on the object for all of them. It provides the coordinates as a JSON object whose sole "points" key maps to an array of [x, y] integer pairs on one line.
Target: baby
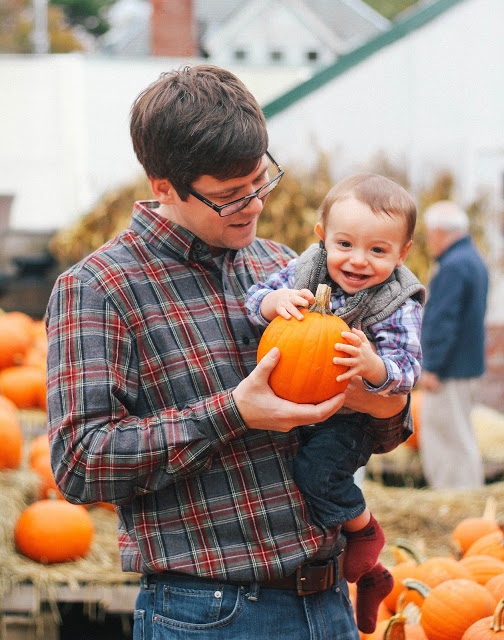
{"points": [[366, 229]]}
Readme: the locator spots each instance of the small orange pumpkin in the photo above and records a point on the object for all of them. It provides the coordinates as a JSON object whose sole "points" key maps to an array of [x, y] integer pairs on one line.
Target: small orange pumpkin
{"points": [[489, 628], [39, 445], [51, 531], [415, 406], [451, 608], [482, 567], [438, 569], [400, 572], [11, 437], [491, 545], [469, 530], [14, 340], [24, 385], [41, 465], [306, 372], [496, 586]]}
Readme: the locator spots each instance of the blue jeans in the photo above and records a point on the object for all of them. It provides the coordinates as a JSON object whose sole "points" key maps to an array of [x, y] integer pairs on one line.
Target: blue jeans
{"points": [[175, 607], [330, 454]]}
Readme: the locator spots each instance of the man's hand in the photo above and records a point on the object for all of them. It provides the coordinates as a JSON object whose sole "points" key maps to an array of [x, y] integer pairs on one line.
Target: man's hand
{"points": [[260, 408], [285, 303]]}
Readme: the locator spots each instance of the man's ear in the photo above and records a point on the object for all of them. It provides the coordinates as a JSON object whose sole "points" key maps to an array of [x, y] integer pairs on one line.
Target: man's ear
{"points": [[163, 190], [320, 231], [404, 253]]}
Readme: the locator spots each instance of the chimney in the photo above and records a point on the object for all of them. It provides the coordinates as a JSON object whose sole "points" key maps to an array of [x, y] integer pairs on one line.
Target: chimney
{"points": [[172, 29]]}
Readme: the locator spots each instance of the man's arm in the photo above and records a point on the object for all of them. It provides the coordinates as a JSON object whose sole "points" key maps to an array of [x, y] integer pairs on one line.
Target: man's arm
{"points": [[390, 416]]}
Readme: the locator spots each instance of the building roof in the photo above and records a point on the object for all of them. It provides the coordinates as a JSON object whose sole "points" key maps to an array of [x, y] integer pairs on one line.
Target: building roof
{"points": [[415, 18], [346, 23], [339, 24]]}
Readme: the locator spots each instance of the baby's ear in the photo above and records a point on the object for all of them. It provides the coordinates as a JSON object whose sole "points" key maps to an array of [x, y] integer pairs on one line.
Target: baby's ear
{"points": [[404, 253], [319, 230]]}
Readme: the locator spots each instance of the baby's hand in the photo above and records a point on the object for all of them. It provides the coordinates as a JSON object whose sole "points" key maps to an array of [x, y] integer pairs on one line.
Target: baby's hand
{"points": [[285, 303], [362, 359]]}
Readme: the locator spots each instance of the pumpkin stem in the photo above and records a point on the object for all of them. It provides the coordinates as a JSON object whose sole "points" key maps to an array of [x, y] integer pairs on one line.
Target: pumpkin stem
{"points": [[412, 612], [497, 623], [418, 586], [410, 549], [395, 628], [321, 304], [490, 512]]}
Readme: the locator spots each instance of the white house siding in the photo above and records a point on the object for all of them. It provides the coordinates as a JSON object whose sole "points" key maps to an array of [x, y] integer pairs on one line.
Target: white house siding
{"points": [[431, 100]]}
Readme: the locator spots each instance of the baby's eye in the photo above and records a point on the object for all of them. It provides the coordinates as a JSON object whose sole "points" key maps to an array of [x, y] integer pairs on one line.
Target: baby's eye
{"points": [[344, 243], [378, 250]]}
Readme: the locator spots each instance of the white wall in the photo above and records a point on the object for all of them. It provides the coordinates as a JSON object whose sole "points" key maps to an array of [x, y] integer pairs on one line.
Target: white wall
{"points": [[64, 128], [432, 100]]}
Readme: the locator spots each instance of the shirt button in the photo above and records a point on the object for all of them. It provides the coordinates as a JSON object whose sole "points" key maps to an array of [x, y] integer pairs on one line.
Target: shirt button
{"points": [[246, 340], [198, 246]]}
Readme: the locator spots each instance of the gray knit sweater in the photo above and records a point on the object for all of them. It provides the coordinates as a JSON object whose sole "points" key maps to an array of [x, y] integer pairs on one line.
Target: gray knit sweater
{"points": [[368, 306]]}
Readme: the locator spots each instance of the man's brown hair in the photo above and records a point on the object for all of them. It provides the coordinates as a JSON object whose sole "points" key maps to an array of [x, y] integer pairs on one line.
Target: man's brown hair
{"points": [[196, 121]]}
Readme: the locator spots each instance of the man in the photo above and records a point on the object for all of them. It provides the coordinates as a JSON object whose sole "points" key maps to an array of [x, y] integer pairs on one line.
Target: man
{"points": [[155, 403], [453, 344]]}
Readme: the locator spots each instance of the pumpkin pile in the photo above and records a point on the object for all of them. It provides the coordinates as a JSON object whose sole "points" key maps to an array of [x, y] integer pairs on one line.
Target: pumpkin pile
{"points": [[49, 529], [23, 353], [457, 597]]}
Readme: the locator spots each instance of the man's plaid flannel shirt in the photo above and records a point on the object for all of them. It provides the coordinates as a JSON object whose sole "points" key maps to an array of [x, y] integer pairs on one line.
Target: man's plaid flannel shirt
{"points": [[147, 338]]}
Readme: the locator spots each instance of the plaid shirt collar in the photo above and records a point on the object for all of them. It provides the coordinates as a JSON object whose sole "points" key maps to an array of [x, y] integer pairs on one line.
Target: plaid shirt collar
{"points": [[166, 236]]}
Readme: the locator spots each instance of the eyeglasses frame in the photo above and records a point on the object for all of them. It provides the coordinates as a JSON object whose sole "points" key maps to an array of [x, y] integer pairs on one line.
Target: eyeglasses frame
{"points": [[218, 208]]}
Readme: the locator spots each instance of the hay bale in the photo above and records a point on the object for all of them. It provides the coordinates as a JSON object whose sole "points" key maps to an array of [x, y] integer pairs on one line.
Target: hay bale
{"points": [[101, 566], [426, 517]]}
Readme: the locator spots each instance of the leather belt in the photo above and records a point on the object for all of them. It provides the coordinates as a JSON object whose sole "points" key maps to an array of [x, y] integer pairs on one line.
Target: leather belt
{"points": [[310, 578]]}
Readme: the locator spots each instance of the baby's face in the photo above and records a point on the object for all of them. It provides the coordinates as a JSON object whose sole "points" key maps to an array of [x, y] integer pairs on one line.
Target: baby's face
{"points": [[363, 248]]}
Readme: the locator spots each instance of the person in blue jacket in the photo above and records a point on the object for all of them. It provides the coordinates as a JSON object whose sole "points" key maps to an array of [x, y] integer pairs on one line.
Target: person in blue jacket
{"points": [[453, 345]]}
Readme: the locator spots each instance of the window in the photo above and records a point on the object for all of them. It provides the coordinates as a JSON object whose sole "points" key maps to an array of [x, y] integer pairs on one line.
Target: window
{"points": [[240, 54], [276, 56], [312, 56]]}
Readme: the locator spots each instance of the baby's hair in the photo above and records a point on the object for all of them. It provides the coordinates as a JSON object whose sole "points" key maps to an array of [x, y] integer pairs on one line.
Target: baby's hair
{"points": [[381, 194]]}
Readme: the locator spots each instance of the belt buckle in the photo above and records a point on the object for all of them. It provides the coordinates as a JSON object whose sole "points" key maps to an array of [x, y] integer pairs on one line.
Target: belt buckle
{"points": [[312, 578]]}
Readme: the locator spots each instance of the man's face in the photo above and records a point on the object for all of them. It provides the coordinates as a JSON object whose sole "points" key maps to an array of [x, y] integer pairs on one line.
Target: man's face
{"points": [[232, 232]]}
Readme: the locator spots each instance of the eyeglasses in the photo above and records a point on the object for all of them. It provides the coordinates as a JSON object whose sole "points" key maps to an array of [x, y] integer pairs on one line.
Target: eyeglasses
{"points": [[237, 205]]}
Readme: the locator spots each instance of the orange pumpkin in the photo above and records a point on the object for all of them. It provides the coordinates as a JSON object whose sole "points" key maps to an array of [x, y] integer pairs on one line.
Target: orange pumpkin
{"points": [[415, 405], [482, 567], [469, 530], [11, 437], [14, 340], [451, 607], [24, 385], [306, 372], [399, 572], [490, 628], [396, 628], [438, 569], [54, 531], [491, 545], [41, 465], [496, 586], [38, 446]]}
